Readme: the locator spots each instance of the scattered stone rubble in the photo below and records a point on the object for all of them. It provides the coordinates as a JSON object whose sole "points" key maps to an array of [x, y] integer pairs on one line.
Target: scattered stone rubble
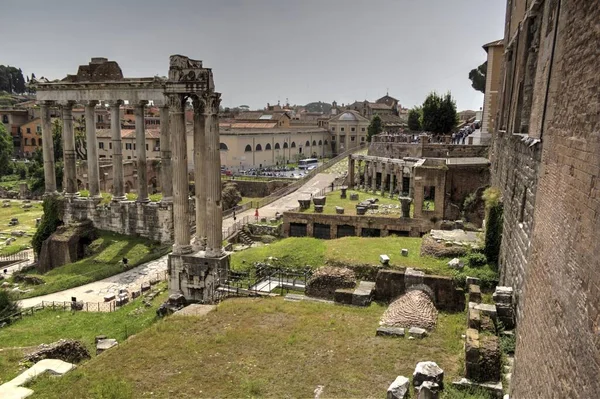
{"points": [[399, 388], [68, 350], [326, 280], [174, 303]]}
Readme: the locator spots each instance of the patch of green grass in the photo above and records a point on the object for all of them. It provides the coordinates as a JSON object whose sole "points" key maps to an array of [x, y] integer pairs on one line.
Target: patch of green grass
{"points": [[291, 252], [47, 326], [12, 184], [109, 249], [298, 252], [245, 200], [26, 224], [333, 200], [267, 348]]}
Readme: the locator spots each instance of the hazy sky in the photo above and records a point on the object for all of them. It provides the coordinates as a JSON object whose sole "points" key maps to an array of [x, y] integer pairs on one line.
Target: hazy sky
{"points": [[266, 50]]}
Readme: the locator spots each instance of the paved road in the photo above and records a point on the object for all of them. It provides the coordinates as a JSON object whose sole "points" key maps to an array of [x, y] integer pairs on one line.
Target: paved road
{"points": [[95, 292]]}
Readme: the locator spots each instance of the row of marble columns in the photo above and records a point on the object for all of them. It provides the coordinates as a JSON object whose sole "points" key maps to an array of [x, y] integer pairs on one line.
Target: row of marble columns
{"points": [[207, 175], [391, 175], [93, 171]]}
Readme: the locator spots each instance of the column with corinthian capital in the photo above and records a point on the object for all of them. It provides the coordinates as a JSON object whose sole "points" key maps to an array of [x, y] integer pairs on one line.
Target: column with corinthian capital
{"points": [[180, 175], [214, 210], [166, 170], [140, 142], [117, 150], [69, 155], [92, 149], [200, 128]]}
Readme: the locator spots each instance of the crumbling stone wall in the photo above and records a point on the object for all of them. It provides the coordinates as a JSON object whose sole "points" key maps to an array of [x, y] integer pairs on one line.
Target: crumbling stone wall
{"points": [[257, 189], [426, 150], [558, 341]]}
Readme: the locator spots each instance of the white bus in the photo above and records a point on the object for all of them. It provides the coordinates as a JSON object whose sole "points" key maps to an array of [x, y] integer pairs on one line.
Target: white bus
{"points": [[307, 163]]}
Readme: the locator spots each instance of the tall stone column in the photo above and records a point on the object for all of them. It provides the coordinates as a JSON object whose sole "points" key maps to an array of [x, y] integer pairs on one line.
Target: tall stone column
{"points": [[140, 142], [374, 175], [366, 168], [392, 175], [92, 149], [166, 170], [117, 151], [214, 209], [202, 120], [48, 148], [69, 154], [351, 171], [180, 175]]}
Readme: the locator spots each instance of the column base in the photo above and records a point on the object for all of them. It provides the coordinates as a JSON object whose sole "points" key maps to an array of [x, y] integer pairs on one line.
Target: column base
{"points": [[197, 276], [198, 244], [182, 249], [51, 194], [167, 200], [119, 199], [214, 253], [71, 195], [143, 201]]}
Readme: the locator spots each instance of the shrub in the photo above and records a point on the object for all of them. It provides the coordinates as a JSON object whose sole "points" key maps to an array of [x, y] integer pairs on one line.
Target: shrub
{"points": [[8, 305], [476, 259], [50, 221]]}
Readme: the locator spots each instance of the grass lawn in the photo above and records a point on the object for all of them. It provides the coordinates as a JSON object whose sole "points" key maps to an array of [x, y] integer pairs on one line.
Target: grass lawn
{"points": [[301, 251], [26, 223], [47, 326], [261, 348], [108, 250], [333, 200]]}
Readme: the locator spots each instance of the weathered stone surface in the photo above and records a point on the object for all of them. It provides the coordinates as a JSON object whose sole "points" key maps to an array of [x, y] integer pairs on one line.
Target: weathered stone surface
{"points": [[318, 208], [27, 279], [428, 371], [417, 332], [361, 210], [472, 280], [384, 331], [413, 309], [399, 388], [65, 245], [363, 294], [474, 293], [65, 349], [343, 296], [326, 280], [428, 390], [319, 200], [404, 252], [339, 210], [105, 344], [487, 310], [456, 263], [304, 204], [109, 297], [474, 319], [503, 295]]}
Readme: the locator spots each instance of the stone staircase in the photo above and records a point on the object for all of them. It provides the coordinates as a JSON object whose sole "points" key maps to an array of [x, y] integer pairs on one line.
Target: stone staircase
{"points": [[244, 238]]}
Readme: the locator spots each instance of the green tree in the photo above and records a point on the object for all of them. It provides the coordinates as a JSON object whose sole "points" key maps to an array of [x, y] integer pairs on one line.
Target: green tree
{"points": [[8, 305], [375, 127], [6, 151], [439, 113], [414, 119], [478, 76], [11, 80]]}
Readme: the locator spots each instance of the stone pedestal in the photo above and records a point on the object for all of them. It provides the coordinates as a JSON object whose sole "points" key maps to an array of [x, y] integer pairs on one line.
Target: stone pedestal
{"points": [[405, 203], [343, 194], [197, 276]]}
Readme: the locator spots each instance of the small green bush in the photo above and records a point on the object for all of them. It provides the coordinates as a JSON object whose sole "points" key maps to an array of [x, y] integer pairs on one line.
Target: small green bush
{"points": [[476, 259]]}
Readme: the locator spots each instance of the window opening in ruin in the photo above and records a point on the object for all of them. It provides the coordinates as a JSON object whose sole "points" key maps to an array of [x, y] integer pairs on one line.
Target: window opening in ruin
{"points": [[429, 198]]}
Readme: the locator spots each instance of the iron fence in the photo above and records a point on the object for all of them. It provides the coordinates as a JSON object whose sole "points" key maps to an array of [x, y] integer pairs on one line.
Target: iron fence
{"points": [[235, 227]]}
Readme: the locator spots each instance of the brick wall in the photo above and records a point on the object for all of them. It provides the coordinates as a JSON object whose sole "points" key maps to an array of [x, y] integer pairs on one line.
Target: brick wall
{"points": [[423, 150], [558, 345]]}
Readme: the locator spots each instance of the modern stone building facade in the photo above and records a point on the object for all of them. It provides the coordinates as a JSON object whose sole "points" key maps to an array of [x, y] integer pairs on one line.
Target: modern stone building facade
{"points": [[546, 161]]}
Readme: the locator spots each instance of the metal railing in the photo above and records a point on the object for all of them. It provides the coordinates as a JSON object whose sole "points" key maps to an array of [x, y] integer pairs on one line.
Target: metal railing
{"points": [[235, 227]]}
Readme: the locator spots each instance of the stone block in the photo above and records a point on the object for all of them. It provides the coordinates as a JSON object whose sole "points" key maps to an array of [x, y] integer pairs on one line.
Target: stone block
{"points": [[339, 210], [273, 220], [263, 220], [428, 371], [474, 319], [487, 310], [506, 315], [384, 259], [428, 390], [145, 287], [404, 252], [417, 332], [353, 196], [473, 280], [318, 208], [105, 344], [363, 293], [304, 204], [319, 200], [361, 210], [472, 346], [399, 388], [456, 263], [503, 295], [343, 296], [135, 294], [109, 297], [474, 293], [390, 332]]}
